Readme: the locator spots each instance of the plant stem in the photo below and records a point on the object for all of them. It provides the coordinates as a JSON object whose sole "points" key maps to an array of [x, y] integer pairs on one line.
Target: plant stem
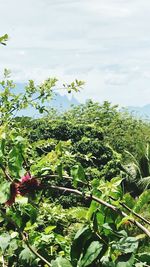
{"points": [[6, 173]]}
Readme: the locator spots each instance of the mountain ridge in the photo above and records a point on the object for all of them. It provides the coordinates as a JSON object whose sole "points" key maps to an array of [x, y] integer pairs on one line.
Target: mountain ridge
{"points": [[143, 111], [65, 102], [58, 101]]}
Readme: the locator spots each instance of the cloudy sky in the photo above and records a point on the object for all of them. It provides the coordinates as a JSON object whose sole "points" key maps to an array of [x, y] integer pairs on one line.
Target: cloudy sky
{"points": [[106, 43]]}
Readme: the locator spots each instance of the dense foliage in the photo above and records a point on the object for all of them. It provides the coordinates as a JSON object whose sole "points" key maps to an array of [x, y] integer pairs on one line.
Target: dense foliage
{"points": [[74, 187]]}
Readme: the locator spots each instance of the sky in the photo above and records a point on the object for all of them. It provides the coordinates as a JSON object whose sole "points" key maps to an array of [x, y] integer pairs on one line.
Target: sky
{"points": [[106, 43]]}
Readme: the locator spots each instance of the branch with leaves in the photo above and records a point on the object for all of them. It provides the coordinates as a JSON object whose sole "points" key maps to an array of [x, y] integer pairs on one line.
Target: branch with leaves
{"points": [[70, 178], [104, 203]]}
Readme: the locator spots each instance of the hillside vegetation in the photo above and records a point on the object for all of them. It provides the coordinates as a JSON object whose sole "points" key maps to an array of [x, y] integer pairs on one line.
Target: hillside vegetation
{"points": [[74, 187]]}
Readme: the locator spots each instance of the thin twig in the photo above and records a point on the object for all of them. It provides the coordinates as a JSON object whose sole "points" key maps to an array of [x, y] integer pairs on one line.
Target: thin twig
{"points": [[37, 254], [131, 211]]}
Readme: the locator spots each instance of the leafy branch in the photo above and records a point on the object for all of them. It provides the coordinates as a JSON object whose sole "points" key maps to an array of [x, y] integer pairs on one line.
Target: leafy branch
{"points": [[104, 203], [120, 202]]}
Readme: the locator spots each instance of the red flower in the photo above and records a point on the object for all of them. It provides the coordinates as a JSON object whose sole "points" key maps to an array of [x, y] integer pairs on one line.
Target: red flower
{"points": [[25, 186], [14, 191], [25, 177], [28, 186]]}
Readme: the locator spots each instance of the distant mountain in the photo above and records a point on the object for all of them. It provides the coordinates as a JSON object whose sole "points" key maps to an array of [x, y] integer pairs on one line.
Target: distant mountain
{"points": [[59, 102], [143, 112], [63, 102]]}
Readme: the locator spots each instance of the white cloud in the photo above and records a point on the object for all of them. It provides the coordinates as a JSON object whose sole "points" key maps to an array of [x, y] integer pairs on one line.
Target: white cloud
{"points": [[109, 8], [106, 43]]}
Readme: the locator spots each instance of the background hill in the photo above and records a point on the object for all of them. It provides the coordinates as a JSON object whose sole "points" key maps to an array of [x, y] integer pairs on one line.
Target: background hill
{"points": [[60, 102], [64, 102], [143, 112]]}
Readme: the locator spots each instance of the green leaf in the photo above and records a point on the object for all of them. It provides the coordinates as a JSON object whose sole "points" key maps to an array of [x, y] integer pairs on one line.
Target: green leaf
{"points": [[100, 218], [21, 200], [32, 212], [91, 254], [59, 149], [4, 192], [111, 188], [14, 234], [78, 174], [129, 200], [4, 241], [3, 141], [78, 244], [116, 181], [125, 220], [92, 209], [126, 245], [26, 255], [3, 39], [126, 260], [25, 213], [60, 170], [144, 257], [82, 232], [50, 228], [15, 160], [143, 199], [61, 262]]}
